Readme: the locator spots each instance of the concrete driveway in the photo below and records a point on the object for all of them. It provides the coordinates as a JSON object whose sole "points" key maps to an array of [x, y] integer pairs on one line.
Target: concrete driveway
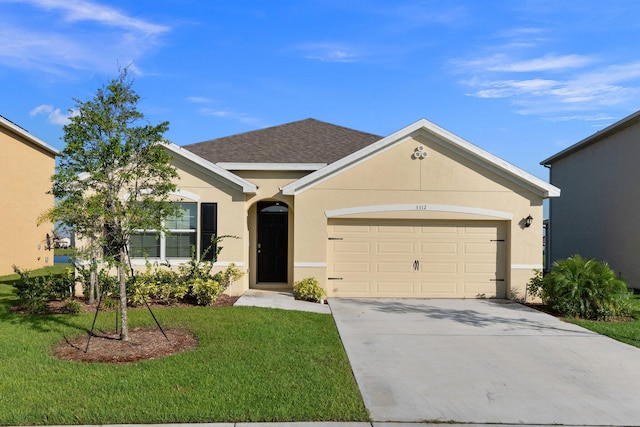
{"points": [[485, 361]]}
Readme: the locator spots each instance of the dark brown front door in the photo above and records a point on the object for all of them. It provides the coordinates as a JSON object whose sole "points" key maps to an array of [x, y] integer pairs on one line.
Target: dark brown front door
{"points": [[273, 230]]}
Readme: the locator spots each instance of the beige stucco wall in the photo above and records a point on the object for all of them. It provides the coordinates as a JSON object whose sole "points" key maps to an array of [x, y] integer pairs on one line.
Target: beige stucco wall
{"points": [[467, 189], [596, 215], [269, 184], [237, 214], [25, 178], [444, 177]]}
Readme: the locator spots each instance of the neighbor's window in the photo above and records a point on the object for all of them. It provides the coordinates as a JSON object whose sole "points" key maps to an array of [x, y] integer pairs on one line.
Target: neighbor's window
{"points": [[177, 243]]}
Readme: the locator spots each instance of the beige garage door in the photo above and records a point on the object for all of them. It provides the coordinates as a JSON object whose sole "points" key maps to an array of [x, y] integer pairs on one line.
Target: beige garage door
{"points": [[428, 259]]}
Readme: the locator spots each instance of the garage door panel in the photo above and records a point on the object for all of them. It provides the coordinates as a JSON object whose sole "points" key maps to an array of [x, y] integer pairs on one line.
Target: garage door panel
{"points": [[438, 248], [408, 258], [440, 231], [351, 247], [439, 289], [480, 248], [491, 232], [395, 230], [439, 267], [395, 248], [352, 267], [361, 229], [394, 267]]}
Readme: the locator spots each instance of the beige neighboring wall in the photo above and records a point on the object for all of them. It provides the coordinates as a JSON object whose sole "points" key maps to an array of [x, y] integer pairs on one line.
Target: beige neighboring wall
{"points": [[26, 167], [445, 185]]}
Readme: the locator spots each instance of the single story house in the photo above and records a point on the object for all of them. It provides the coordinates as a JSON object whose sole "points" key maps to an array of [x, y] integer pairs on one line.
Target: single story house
{"points": [[26, 166], [420, 213], [600, 199]]}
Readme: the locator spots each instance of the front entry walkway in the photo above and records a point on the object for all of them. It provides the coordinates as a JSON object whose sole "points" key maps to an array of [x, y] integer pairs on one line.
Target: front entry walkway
{"points": [[279, 299], [485, 361]]}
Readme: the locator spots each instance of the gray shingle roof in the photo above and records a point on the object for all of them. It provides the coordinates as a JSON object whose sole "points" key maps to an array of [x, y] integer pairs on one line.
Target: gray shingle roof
{"points": [[303, 141]]}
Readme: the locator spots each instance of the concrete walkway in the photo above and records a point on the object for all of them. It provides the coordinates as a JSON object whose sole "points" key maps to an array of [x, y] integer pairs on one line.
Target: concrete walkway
{"points": [[484, 361], [279, 299]]}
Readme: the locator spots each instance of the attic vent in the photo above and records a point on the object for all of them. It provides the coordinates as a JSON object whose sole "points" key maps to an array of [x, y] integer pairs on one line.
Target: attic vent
{"points": [[419, 153]]}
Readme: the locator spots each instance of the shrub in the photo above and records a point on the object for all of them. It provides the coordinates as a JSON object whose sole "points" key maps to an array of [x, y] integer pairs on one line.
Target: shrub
{"points": [[141, 288], [588, 289], [46, 288], [156, 284], [205, 291], [308, 290], [228, 276], [110, 302], [72, 306], [534, 287], [36, 306]]}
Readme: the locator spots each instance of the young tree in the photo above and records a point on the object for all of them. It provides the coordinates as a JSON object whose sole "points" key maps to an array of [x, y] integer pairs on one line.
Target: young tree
{"points": [[113, 177]]}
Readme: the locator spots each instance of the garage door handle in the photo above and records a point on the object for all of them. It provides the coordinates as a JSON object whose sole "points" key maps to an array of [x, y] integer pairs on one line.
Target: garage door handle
{"points": [[416, 265]]}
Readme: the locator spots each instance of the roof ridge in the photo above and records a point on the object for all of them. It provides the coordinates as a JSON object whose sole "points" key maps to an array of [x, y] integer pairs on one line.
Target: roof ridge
{"points": [[14, 123], [289, 124]]}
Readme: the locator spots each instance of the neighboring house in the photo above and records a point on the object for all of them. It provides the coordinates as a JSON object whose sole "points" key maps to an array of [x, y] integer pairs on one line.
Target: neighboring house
{"points": [[26, 166], [600, 199], [419, 213], [64, 243]]}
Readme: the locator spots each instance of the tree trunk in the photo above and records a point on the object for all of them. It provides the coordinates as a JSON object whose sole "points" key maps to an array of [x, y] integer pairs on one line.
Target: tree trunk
{"points": [[124, 326], [92, 281]]}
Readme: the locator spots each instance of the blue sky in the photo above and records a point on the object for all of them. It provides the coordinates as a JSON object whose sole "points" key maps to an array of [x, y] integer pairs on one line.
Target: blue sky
{"points": [[522, 79]]}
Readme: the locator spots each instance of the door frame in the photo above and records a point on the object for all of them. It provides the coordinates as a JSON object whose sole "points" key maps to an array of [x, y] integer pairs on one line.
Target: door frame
{"points": [[254, 224]]}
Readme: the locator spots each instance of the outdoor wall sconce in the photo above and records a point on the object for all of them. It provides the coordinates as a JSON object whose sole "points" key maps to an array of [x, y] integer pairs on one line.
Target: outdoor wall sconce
{"points": [[527, 221]]}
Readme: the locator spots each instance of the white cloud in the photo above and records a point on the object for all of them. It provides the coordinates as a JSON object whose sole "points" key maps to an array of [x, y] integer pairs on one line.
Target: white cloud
{"points": [[107, 36], [512, 88], [198, 100], [584, 118], [54, 115], [89, 11], [504, 63], [230, 115], [579, 83], [546, 63], [328, 52]]}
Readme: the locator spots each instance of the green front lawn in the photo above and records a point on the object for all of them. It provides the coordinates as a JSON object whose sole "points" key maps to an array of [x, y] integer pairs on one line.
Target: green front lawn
{"points": [[627, 332], [64, 251], [252, 364], [54, 269]]}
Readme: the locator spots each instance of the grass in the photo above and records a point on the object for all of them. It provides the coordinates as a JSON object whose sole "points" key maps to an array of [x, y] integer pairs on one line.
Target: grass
{"points": [[627, 332], [64, 251], [53, 269], [252, 364]]}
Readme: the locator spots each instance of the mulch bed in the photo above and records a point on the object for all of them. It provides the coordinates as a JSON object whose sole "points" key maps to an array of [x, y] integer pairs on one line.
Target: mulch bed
{"points": [[144, 344]]}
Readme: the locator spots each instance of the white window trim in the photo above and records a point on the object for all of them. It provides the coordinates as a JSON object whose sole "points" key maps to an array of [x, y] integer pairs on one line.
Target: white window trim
{"points": [[163, 246]]}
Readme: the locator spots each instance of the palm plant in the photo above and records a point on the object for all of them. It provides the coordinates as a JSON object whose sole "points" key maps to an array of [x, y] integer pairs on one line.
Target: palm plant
{"points": [[585, 288]]}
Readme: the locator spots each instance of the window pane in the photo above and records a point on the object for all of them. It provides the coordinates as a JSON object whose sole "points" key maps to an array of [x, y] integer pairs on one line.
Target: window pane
{"points": [[144, 245], [187, 221], [179, 245]]}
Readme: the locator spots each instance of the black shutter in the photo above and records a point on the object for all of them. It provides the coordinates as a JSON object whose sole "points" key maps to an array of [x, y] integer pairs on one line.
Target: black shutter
{"points": [[208, 229]]}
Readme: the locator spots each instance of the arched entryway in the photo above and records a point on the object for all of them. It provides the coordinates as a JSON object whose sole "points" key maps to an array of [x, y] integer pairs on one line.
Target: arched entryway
{"points": [[272, 242]]}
